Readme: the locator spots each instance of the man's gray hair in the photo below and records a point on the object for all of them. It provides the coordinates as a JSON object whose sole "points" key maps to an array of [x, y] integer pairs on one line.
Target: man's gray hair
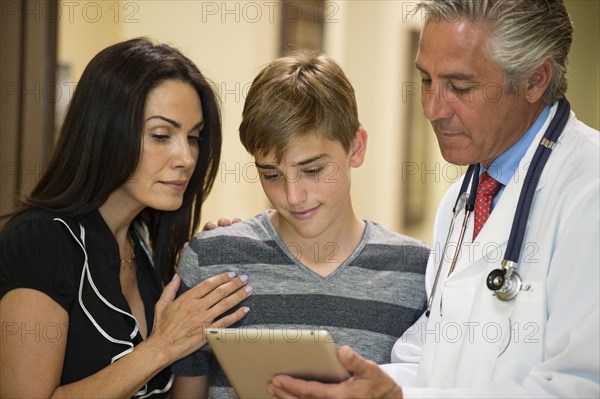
{"points": [[523, 34]]}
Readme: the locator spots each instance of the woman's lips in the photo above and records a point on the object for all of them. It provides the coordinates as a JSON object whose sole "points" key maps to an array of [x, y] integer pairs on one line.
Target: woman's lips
{"points": [[177, 185]]}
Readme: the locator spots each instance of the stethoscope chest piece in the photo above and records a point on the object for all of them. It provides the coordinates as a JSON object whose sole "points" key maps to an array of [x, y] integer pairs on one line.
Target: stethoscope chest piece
{"points": [[505, 282]]}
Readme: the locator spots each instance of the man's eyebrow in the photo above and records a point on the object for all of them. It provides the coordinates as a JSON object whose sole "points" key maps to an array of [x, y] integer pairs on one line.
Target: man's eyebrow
{"points": [[300, 163], [451, 76], [168, 120]]}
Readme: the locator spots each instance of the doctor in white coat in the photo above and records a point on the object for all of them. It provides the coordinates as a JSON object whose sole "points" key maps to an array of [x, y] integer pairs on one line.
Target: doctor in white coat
{"points": [[492, 75]]}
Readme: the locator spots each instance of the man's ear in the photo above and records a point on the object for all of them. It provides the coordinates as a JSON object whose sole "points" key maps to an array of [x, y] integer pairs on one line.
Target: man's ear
{"points": [[358, 148], [538, 82]]}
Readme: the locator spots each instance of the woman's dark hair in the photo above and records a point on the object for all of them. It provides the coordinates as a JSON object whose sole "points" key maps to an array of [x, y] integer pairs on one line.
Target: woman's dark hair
{"points": [[99, 145]]}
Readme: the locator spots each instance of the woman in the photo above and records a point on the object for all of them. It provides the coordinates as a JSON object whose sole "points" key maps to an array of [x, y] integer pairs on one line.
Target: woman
{"points": [[80, 292]]}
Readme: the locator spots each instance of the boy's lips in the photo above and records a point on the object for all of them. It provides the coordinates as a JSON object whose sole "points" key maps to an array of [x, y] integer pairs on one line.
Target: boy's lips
{"points": [[306, 214]]}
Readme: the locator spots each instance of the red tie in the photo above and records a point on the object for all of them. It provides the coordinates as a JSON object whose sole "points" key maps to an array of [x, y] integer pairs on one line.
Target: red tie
{"points": [[488, 187]]}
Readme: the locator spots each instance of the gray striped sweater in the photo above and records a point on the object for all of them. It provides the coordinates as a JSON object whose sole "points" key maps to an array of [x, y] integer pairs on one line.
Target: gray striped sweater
{"points": [[367, 302]]}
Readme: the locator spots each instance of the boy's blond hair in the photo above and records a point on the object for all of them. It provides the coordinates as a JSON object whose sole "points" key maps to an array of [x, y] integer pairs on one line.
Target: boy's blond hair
{"points": [[296, 95]]}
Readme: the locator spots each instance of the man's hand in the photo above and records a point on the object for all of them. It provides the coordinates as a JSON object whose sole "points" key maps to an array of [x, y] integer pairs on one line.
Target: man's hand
{"points": [[223, 222], [367, 381]]}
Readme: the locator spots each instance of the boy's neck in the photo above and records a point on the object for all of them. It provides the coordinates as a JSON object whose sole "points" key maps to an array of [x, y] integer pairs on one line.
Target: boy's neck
{"points": [[325, 253]]}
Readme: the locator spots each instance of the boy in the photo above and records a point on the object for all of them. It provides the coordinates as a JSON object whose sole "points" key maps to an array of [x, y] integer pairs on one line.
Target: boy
{"points": [[314, 263]]}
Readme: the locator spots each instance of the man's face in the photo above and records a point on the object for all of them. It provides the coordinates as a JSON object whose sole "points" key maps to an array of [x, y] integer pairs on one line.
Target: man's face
{"points": [[464, 94]]}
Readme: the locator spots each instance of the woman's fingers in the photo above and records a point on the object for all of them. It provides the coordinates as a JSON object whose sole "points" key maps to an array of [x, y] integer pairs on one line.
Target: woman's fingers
{"points": [[169, 292], [212, 283], [232, 318]]}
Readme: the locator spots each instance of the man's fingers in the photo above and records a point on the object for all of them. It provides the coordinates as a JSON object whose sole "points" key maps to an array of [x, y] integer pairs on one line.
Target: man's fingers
{"points": [[353, 362], [286, 387]]}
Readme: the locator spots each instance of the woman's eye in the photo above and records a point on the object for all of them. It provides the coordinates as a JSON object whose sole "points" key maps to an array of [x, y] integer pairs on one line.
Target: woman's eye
{"points": [[194, 139], [161, 138]]}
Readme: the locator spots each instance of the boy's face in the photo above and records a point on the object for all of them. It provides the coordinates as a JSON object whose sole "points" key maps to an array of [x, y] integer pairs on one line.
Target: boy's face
{"points": [[310, 188]]}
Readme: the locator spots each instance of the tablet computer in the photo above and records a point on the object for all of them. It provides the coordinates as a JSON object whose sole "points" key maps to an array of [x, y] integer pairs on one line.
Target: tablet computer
{"points": [[251, 357]]}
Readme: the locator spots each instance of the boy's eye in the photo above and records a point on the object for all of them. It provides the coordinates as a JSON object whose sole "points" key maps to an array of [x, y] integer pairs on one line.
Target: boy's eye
{"points": [[314, 171], [271, 176]]}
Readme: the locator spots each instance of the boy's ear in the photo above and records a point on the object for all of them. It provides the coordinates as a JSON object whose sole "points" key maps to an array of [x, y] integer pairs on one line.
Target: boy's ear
{"points": [[358, 148], [538, 82]]}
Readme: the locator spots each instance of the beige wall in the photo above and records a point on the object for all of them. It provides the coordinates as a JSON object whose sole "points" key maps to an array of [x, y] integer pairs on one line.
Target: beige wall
{"points": [[231, 40], [584, 61]]}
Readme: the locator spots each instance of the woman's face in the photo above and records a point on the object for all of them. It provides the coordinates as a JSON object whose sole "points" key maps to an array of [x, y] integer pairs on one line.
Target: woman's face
{"points": [[173, 122]]}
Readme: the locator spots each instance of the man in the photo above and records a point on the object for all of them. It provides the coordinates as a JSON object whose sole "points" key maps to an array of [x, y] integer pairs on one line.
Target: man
{"points": [[492, 74]]}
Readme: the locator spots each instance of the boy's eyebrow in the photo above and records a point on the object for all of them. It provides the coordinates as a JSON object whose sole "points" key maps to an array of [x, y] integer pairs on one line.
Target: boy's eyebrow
{"points": [[300, 163]]}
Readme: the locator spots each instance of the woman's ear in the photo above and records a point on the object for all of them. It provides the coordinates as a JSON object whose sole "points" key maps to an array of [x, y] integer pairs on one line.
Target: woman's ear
{"points": [[358, 148], [538, 82]]}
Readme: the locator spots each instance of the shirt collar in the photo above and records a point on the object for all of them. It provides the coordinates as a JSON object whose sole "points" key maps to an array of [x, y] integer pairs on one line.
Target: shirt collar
{"points": [[505, 165]]}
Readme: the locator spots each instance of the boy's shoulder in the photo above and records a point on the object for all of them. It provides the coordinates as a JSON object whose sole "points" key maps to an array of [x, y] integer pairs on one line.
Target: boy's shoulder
{"points": [[253, 231], [249, 228], [382, 235]]}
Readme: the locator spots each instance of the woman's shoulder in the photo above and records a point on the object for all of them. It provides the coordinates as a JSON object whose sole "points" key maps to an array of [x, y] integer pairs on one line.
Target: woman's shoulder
{"points": [[38, 252]]}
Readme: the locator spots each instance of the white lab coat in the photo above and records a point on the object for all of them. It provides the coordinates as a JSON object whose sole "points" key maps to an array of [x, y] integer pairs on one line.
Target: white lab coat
{"points": [[546, 341]]}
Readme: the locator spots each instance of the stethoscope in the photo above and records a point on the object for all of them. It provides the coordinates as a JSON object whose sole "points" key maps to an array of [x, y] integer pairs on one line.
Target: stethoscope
{"points": [[505, 282]]}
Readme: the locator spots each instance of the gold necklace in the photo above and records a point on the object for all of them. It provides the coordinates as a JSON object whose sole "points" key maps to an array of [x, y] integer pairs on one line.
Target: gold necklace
{"points": [[130, 258]]}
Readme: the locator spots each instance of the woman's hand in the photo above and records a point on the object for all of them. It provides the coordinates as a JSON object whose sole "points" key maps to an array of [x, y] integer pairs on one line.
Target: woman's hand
{"points": [[179, 323], [223, 222]]}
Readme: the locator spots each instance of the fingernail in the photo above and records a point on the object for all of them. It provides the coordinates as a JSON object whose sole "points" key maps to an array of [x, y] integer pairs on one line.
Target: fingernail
{"points": [[249, 288], [174, 277], [231, 274], [244, 277], [246, 309]]}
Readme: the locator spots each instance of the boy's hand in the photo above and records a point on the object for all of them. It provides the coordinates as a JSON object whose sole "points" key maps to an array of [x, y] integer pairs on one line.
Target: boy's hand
{"points": [[223, 222], [368, 381]]}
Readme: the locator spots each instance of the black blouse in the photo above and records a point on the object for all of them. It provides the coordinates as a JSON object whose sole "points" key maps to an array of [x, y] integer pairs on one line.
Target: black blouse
{"points": [[40, 253]]}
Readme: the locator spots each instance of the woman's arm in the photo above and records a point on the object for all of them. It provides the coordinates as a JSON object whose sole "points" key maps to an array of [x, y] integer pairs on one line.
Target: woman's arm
{"points": [[178, 331]]}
